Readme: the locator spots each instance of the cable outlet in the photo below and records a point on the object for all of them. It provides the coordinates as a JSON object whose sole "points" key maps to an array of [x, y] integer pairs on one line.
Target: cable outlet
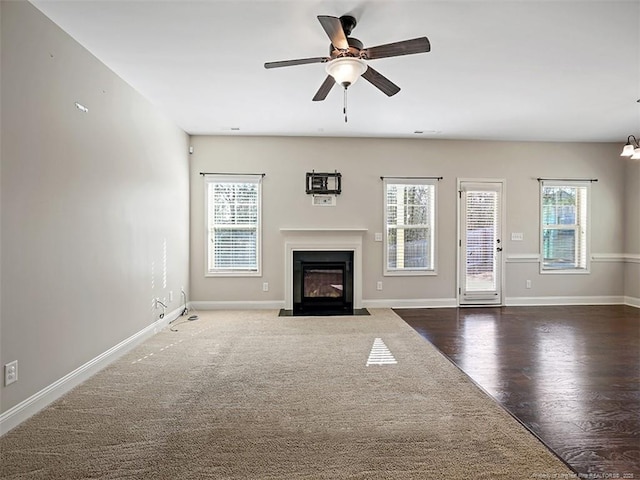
{"points": [[10, 373]]}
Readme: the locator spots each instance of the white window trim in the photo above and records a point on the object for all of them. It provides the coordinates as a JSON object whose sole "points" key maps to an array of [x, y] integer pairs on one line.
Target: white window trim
{"points": [[219, 178], [566, 271], [410, 272]]}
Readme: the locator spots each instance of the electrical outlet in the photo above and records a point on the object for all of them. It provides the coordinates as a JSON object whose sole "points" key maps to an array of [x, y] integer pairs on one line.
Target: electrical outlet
{"points": [[10, 373], [171, 295], [379, 286], [265, 287], [528, 284]]}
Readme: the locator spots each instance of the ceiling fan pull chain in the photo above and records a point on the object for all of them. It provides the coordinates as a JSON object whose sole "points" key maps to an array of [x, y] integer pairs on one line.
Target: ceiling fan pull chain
{"points": [[344, 108]]}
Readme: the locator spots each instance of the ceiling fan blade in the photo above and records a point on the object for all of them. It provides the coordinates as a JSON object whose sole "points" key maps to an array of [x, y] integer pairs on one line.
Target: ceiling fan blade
{"points": [[380, 81], [333, 27], [299, 61], [406, 47], [324, 89]]}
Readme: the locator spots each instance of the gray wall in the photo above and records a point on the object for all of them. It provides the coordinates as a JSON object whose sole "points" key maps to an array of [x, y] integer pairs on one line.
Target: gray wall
{"points": [[94, 205], [362, 162], [632, 237]]}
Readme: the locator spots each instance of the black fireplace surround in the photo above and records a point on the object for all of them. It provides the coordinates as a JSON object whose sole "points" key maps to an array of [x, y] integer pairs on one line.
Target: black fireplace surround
{"points": [[322, 282]]}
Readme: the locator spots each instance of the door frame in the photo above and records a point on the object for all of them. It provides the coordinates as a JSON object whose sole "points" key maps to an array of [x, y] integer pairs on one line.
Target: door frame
{"points": [[502, 233]]}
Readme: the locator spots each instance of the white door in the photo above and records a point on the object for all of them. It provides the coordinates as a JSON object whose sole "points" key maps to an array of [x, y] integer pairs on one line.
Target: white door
{"points": [[480, 243]]}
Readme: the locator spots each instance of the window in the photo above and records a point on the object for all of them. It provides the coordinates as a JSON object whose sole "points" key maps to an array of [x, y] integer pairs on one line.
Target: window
{"points": [[410, 226], [564, 226], [233, 224]]}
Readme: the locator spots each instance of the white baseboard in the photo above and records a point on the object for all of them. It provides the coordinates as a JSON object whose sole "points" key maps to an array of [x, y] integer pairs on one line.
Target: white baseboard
{"points": [[540, 301], [427, 302], [238, 305], [411, 303], [275, 304], [36, 402], [632, 301]]}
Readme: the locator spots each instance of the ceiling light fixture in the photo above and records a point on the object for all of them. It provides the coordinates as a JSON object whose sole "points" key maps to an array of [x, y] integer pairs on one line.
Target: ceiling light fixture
{"points": [[632, 148], [346, 71]]}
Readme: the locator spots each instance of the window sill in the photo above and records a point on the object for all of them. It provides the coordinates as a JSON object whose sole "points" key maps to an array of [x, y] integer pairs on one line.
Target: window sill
{"points": [[234, 273], [565, 271], [410, 273]]}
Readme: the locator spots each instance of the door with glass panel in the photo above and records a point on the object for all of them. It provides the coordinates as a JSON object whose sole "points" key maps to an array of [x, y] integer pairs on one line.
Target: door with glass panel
{"points": [[480, 243]]}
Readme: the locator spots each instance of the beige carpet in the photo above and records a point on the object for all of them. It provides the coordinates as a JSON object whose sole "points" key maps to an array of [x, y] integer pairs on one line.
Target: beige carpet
{"points": [[251, 395]]}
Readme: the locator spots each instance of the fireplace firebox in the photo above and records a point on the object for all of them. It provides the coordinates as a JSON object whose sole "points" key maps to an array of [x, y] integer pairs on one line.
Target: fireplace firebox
{"points": [[323, 282]]}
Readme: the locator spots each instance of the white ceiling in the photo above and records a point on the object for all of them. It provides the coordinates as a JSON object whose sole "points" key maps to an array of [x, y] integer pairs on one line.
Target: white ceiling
{"points": [[505, 70]]}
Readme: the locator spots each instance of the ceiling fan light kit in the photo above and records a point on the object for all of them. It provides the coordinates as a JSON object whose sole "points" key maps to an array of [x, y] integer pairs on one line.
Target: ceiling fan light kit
{"points": [[347, 60], [346, 70], [632, 148]]}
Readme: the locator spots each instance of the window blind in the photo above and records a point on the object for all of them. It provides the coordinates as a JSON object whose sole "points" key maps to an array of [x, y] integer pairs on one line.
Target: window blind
{"points": [[564, 224], [482, 225], [233, 223], [409, 218]]}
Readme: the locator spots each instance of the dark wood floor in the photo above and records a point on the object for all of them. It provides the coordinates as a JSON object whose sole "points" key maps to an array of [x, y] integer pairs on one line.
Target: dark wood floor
{"points": [[569, 374]]}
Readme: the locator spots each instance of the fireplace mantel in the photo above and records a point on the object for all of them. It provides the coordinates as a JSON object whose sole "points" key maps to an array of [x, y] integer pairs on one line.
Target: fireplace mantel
{"points": [[319, 239]]}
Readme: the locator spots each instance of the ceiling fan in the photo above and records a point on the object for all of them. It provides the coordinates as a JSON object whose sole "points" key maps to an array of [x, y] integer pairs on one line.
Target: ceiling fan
{"points": [[347, 57]]}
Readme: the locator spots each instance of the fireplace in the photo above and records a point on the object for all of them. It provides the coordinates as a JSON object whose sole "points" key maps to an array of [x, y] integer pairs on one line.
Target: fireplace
{"points": [[323, 282], [316, 240]]}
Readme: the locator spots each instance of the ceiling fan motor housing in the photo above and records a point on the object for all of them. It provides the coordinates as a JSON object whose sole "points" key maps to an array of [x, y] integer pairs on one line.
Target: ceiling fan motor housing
{"points": [[355, 46], [348, 24]]}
